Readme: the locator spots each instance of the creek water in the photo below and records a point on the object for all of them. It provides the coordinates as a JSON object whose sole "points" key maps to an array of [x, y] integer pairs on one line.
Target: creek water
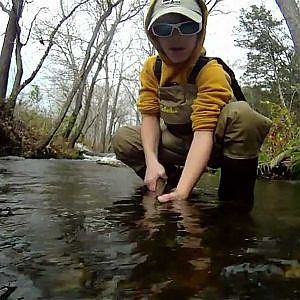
{"points": [[80, 230]]}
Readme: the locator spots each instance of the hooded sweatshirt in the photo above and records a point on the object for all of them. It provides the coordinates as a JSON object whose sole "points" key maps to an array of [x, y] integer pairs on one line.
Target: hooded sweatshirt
{"points": [[213, 83]]}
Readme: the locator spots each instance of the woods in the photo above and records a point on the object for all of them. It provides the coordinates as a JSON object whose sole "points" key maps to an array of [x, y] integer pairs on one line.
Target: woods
{"points": [[83, 79], [79, 57], [271, 83]]}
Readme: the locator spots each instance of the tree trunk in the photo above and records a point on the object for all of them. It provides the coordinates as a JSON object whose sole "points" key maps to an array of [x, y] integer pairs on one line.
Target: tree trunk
{"points": [[85, 69], [114, 108], [75, 113], [8, 47], [291, 13], [77, 133], [11, 103], [78, 130], [44, 143], [105, 109]]}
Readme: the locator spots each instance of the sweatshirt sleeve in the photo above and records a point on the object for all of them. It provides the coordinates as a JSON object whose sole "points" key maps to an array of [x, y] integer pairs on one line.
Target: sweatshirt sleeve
{"points": [[214, 91], [147, 102]]}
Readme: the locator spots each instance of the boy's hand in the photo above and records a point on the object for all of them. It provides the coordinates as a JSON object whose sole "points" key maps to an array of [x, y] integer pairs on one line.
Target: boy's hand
{"points": [[154, 171], [173, 196]]}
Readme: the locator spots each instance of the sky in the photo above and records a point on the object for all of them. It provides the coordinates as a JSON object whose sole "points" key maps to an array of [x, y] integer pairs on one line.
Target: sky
{"points": [[220, 31]]}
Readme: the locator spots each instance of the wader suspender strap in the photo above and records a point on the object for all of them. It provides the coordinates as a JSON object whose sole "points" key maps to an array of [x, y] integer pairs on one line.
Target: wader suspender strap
{"points": [[157, 68], [237, 91], [202, 61]]}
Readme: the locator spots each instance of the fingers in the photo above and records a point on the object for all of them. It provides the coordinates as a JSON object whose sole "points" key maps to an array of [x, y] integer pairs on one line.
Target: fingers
{"points": [[163, 175], [167, 197], [157, 185], [154, 176], [174, 195], [152, 185]]}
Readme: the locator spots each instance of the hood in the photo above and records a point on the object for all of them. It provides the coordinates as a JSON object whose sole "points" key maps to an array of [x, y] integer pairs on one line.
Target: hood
{"points": [[199, 50]]}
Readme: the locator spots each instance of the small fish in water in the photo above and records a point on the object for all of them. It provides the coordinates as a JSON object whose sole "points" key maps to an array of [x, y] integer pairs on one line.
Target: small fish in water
{"points": [[160, 186], [160, 189]]}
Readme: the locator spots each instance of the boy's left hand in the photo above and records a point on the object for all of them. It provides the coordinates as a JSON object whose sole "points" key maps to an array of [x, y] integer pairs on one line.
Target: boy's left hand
{"points": [[172, 196]]}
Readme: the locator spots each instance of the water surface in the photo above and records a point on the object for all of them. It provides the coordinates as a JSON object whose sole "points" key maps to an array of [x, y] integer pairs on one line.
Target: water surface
{"points": [[79, 230]]}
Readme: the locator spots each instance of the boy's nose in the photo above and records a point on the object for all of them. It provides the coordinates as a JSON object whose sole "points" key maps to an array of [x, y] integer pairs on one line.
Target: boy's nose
{"points": [[176, 32]]}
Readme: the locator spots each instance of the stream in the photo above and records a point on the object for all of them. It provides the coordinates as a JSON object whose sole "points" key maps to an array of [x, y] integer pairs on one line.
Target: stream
{"points": [[75, 229]]}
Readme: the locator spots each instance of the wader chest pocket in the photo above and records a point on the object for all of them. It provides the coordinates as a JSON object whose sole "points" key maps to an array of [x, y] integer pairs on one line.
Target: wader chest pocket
{"points": [[176, 103]]}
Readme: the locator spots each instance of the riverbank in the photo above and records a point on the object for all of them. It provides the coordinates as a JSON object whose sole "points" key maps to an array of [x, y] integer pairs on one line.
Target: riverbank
{"points": [[18, 140]]}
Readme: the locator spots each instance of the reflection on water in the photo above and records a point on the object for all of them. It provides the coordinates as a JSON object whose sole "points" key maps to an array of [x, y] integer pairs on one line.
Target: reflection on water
{"points": [[78, 230]]}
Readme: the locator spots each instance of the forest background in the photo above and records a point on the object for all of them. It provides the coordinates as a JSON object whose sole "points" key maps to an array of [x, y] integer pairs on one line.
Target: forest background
{"points": [[69, 73]]}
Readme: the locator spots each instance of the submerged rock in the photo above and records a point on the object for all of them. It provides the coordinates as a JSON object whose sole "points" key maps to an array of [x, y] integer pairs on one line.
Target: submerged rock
{"points": [[252, 270], [6, 291]]}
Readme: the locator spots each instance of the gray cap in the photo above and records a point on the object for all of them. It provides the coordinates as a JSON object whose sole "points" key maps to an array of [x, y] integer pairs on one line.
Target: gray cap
{"points": [[188, 8]]}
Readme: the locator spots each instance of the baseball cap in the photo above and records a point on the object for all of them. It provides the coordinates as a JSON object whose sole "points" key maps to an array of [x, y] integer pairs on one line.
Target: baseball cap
{"points": [[188, 8]]}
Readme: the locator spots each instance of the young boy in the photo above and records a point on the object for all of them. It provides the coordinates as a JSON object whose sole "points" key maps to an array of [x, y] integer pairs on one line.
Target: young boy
{"points": [[186, 121]]}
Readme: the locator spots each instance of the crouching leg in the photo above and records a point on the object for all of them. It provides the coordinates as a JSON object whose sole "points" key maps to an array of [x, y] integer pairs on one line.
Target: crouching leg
{"points": [[172, 151], [239, 135], [128, 148]]}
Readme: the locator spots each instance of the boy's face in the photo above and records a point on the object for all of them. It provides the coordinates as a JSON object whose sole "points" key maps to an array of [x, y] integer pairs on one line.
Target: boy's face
{"points": [[176, 47]]}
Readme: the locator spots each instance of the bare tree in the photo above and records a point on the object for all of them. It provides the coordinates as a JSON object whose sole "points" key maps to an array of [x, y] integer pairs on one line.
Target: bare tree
{"points": [[85, 69], [114, 102], [97, 49], [78, 131], [12, 28], [291, 12], [212, 5], [13, 37]]}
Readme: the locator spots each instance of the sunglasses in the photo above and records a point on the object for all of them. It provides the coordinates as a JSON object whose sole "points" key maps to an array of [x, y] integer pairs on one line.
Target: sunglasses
{"points": [[184, 28]]}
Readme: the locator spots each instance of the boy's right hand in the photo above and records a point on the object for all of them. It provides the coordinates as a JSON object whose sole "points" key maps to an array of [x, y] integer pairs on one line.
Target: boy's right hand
{"points": [[154, 171]]}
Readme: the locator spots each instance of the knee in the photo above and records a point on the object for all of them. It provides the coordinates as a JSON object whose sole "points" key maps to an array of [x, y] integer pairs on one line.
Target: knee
{"points": [[245, 132], [239, 110], [247, 119], [126, 143], [119, 141]]}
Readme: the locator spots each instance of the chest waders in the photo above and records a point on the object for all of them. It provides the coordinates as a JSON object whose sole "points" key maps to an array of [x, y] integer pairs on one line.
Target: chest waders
{"points": [[176, 100], [238, 136]]}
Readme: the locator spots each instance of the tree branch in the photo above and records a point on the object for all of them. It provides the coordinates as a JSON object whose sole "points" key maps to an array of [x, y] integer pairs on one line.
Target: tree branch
{"points": [[212, 4], [4, 8], [51, 42], [31, 25]]}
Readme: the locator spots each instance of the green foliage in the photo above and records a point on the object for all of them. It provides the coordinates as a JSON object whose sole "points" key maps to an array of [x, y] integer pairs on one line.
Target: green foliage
{"points": [[270, 58], [270, 79], [257, 97], [284, 132], [38, 124], [35, 94], [296, 161]]}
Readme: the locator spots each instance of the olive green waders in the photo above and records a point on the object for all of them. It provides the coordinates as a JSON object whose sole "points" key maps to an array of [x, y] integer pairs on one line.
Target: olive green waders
{"points": [[238, 136]]}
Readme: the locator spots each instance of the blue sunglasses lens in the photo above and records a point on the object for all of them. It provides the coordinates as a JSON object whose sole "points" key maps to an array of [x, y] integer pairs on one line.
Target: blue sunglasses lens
{"points": [[162, 29], [189, 28]]}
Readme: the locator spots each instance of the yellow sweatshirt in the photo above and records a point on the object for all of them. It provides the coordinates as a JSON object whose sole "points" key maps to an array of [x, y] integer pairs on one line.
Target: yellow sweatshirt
{"points": [[213, 83]]}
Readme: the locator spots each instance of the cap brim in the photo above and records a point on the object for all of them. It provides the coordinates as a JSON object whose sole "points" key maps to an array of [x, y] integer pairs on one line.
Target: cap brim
{"points": [[177, 10]]}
